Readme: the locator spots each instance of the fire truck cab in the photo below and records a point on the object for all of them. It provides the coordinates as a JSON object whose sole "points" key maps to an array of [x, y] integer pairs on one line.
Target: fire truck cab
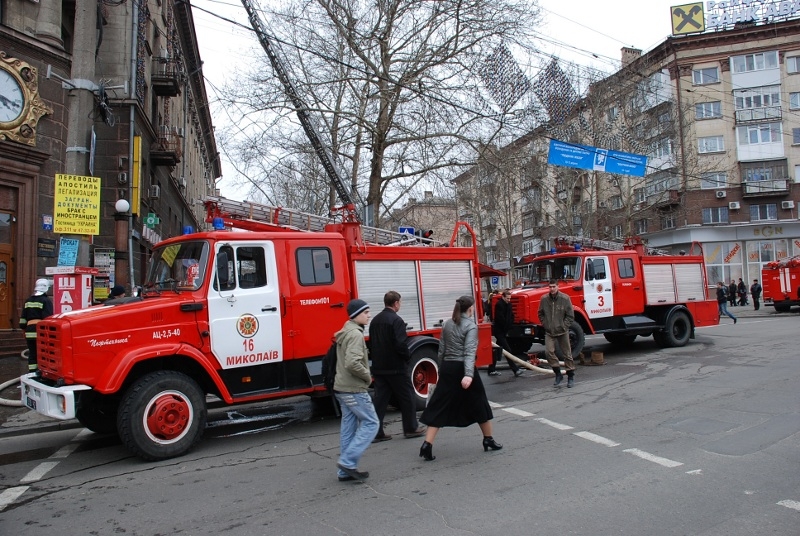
{"points": [[781, 283]]}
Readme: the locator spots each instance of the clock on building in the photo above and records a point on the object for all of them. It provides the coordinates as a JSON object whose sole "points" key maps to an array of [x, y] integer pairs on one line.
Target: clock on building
{"points": [[20, 104]]}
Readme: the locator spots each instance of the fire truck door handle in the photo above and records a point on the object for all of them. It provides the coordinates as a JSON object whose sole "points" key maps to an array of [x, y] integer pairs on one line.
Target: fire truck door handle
{"points": [[337, 305], [269, 308]]}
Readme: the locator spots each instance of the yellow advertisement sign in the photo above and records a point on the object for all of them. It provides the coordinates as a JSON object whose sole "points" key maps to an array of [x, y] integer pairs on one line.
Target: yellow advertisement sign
{"points": [[687, 18], [77, 205]]}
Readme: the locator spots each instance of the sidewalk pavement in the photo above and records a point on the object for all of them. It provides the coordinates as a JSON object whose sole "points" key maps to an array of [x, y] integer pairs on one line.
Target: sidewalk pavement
{"points": [[20, 420]]}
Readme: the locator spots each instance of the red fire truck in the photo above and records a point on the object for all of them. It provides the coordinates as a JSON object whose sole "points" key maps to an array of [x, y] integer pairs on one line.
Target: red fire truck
{"points": [[620, 290], [781, 283], [243, 316]]}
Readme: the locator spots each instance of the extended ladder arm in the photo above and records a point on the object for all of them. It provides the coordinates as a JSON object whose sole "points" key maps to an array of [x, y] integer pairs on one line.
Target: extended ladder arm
{"points": [[351, 199]]}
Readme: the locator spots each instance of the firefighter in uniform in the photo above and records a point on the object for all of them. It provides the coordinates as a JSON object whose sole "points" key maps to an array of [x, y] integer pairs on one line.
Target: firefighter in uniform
{"points": [[36, 308], [556, 315]]}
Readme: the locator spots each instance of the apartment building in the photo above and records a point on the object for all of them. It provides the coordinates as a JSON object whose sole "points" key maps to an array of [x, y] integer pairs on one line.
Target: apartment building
{"points": [[110, 90]]}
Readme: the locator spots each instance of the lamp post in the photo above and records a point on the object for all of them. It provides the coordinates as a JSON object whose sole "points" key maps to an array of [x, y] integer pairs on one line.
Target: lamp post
{"points": [[121, 233]]}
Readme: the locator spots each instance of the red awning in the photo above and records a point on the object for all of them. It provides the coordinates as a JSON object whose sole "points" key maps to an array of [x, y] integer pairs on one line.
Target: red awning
{"points": [[488, 271]]}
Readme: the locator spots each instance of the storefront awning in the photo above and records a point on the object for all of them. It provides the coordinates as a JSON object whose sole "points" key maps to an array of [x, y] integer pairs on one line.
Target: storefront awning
{"points": [[487, 271]]}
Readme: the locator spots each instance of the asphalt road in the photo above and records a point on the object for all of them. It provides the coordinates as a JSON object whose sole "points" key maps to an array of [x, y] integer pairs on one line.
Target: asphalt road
{"points": [[701, 440]]}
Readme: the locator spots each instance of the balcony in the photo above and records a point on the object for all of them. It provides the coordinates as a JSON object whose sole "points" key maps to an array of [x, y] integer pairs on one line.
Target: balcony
{"points": [[166, 150], [765, 188], [767, 113], [666, 199], [166, 77]]}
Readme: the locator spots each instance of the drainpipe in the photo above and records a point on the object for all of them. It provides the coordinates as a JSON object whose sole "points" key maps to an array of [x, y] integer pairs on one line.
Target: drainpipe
{"points": [[131, 134]]}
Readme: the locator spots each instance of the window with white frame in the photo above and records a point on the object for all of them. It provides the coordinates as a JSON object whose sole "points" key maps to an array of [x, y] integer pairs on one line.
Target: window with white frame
{"points": [[661, 148], [709, 75], [639, 195], [764, 212], [764, 171], [755, 62], [715, 215], [793, 64], [795, 136], [613, 113], [618, 232], [641, 226], [529, 246], [758, 134], [794, 100], [757, 103], [708, 110], [711, 144], [616, 201], [714, 180], [668, 221]]}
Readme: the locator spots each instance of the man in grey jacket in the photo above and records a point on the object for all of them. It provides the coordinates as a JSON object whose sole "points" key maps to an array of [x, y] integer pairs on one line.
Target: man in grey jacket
{"points": [[556, 315], [350, 387]]}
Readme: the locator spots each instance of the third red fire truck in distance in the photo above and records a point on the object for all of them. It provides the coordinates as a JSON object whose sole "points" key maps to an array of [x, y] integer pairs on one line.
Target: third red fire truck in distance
{"points": [[622, 291], [781, 282]]}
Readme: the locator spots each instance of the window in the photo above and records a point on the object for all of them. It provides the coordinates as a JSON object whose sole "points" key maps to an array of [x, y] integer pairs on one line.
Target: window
{"points": [[613, 113], [765, 212], [668, 221], [715, 215], [794, 101], [661, 148], [708, 110], [618, 232], [639, 195], [625, 267], [641, 226], [795, 136], [251, 267], [758, 134], [714, 180], [709, 75], [314, 266], [711, 144], [793, 64], [758, 103], [616, 202], [595, 269], [755, 62]]}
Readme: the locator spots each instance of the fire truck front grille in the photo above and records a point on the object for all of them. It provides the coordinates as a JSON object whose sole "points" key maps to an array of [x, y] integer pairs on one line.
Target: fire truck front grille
{"points": [[518, 307], [48, 342]]}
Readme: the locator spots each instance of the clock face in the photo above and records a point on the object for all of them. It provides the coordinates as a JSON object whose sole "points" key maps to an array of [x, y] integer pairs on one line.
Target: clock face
{"points": [[12, 101]]}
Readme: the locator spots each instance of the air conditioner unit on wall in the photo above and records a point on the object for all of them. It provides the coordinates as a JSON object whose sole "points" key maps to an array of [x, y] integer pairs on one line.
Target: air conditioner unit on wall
{"points": [[787, 204], [721, 194], [734, 205], [603, 204], [155, 191]]}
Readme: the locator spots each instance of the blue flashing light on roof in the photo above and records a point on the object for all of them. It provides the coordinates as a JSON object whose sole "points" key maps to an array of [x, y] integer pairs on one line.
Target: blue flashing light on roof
{"points": [[552, 251], [219, 224], [577, 247], [188, 229]]}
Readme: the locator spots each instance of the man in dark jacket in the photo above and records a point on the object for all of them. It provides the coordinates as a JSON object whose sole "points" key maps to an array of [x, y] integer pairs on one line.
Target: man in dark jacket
{"points": [[732, 291], [755, 292], [390, 356], [556, 315], [502, 319], [36, 308]]}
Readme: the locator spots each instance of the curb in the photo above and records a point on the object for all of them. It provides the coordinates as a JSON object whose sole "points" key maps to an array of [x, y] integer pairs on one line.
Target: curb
{"points": [[57, 426]]}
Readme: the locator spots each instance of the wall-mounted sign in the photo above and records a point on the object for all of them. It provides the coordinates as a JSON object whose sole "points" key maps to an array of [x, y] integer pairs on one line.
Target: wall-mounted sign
{"points": [[68, 251], [687, 18], [592, 158], [77, 205], [46, 247]]}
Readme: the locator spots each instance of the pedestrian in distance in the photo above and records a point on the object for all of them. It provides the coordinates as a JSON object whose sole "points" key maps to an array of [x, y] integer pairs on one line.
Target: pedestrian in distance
{"points": [[722, 300], [350, 387], [755, 292], [459, 398], [733, 289], [36, 308], [503, 319], [388, 344], [556, 315], [117, 291], [741, 290]]}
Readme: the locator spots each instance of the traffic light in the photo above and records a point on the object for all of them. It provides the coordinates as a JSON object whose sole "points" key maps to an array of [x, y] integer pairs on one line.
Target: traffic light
{"points": [[424, 233]]}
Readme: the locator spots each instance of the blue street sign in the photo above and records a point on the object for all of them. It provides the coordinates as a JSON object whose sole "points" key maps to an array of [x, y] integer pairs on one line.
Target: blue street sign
{"points": [[595, 159], [495, 280], [406, 230]]}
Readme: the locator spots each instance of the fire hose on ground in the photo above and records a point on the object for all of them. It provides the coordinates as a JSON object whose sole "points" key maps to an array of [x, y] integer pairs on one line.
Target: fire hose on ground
{"points": [[9, 383], [527, 364]]}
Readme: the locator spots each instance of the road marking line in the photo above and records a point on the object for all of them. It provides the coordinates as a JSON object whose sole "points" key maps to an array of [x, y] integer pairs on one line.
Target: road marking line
{"points": [[794, 505], [495, 405], [555, 425], [65, 451], [653, 458], [519, 412], [10, 495], [82, 433], [38, 472], [695, 472], [597, 439]]}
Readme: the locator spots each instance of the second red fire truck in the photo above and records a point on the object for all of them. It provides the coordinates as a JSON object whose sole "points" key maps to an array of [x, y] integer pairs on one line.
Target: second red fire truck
{"points": [[781, 283]]}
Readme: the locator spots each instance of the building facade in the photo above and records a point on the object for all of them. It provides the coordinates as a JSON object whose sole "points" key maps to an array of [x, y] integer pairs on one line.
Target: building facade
{"points": [[108, 90]]}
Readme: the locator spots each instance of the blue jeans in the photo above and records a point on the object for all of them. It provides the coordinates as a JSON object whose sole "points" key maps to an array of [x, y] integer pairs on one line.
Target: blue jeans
{"points": [[723, 310], [359, 427]]}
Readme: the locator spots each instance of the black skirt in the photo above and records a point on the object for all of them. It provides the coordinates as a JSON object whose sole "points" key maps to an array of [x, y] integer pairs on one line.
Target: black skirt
{"points": [[451, 404]]}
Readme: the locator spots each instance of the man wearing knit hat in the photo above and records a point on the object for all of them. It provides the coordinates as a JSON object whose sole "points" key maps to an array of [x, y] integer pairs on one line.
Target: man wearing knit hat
{"points": [[353, 378], [36, 308]]}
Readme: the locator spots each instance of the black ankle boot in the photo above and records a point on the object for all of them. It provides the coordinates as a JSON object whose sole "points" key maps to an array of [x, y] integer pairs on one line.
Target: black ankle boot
{"points": [[426, 451], [490, 443], [559, 376]]}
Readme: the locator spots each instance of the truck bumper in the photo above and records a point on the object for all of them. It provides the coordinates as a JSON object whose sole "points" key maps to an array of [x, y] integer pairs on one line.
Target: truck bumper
{"points": [[55, 402]]}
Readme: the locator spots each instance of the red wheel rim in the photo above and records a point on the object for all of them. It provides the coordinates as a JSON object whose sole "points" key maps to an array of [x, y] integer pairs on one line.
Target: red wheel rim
{"points": [[424, 373], [167, 417]]}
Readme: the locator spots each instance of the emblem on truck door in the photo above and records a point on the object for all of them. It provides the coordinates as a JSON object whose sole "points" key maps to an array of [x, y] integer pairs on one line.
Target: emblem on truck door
{"points": [[247, 325]]}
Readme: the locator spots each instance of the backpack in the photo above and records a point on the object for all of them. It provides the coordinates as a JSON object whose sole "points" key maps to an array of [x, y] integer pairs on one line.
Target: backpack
{"points": [[329, 367]]}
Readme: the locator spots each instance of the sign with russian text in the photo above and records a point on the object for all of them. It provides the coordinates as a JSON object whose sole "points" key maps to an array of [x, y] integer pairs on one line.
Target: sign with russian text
{"points": [[77, 205], [595, 159], [68, 251]]}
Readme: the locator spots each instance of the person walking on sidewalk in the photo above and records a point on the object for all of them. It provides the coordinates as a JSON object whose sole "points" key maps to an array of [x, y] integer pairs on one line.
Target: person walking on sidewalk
{"points": [[388, 344], [755, 292], [350, 387], [502, 319], [459, 398], [722, 301], [741, 290], [556, 315], [36, 308]]}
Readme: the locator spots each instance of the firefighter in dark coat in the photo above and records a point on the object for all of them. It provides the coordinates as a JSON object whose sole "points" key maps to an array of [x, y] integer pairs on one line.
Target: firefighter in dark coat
{"points": [[502, 319], [36, 308]]}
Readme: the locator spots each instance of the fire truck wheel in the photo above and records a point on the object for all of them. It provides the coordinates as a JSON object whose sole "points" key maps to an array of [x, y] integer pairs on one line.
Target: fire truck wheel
{"points": [[782, 308], [620, 339], [676, 332], [424, 371], [162, 415], [97, 413], [576, 341]]}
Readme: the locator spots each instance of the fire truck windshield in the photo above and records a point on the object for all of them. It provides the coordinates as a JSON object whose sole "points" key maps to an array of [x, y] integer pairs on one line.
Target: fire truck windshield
{"points": [[178, 266], [543, 270]]}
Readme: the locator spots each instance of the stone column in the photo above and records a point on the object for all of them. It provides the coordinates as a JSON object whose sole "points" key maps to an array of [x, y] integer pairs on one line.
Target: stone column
{"points": [[48, 23]]}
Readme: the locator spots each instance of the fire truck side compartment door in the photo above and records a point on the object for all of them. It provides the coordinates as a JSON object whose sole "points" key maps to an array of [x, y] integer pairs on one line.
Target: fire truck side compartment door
{"points": [[244, 305], [597, 289]]}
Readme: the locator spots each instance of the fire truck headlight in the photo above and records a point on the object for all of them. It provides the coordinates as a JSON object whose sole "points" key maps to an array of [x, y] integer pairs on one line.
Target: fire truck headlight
{"points": [[62, 403], [527, 331]]}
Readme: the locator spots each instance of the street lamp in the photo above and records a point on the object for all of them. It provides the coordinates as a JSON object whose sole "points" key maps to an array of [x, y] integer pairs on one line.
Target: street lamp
{"points": [[121, 242]]}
